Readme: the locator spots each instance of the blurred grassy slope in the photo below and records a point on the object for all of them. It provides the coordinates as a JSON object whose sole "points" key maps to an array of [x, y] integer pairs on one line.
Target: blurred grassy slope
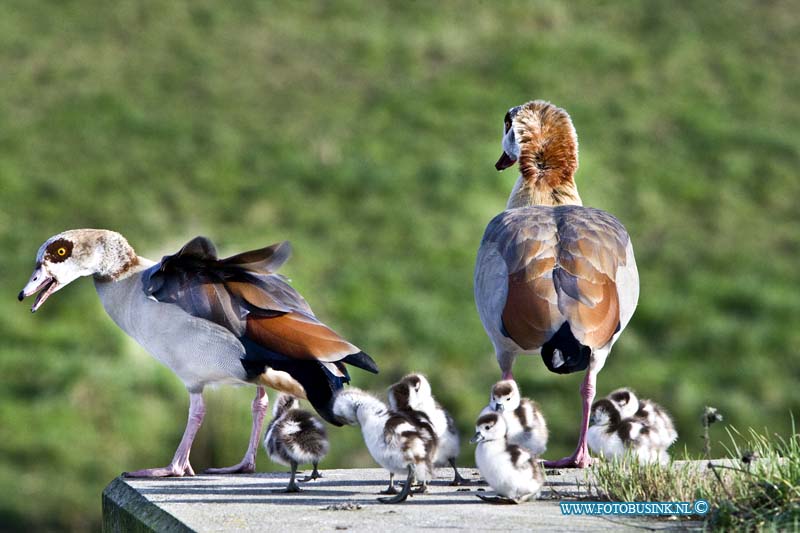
{"points": [[367, 138]]}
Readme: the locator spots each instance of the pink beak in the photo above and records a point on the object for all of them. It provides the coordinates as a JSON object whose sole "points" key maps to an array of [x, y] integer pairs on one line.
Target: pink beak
{"points": [[40, 281]]}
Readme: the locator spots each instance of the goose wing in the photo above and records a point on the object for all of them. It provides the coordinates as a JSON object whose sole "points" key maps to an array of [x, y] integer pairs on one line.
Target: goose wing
{"points": [[273, 321], [566, 264]]}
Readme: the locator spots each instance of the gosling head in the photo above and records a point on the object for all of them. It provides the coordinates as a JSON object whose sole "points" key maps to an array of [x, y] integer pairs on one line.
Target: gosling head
{"points": [[626, 401], [348, 403], [411, 392], [604, 413], [490, 426], [505, 396], [284, 402]]}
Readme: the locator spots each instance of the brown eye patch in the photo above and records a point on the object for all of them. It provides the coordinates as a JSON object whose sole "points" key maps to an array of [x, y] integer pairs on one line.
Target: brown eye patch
{"points": [[58, 251]]}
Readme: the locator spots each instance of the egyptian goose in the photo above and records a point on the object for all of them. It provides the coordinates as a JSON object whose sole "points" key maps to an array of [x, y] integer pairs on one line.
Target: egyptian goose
{"points": [[413, 393], [611, 436], [552, 277], [510, 470], [525, 424], [662, 428], [209, 320], [400, 443], [294, 437]]}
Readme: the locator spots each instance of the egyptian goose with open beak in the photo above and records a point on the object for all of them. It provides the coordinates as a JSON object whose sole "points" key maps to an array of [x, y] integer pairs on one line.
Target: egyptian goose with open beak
{"points": [[552, 277], [209, 320]]}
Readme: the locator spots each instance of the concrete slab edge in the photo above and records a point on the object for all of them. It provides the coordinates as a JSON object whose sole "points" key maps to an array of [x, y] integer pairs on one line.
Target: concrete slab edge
{"points": [[125, 510]]}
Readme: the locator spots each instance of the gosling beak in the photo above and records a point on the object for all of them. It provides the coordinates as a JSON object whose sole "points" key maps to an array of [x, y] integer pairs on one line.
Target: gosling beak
{"points": [[477, 438], [40, 281], [499, 407], [504, 162]]}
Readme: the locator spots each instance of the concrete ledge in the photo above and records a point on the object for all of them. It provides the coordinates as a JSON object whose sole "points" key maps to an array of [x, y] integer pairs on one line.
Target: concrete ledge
{"points": [[341, 500], [126, 509]]}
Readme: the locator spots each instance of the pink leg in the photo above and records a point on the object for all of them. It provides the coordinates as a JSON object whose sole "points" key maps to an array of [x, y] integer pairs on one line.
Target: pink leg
{"points": [[180, 462], [248, 464], [508, 375], [580, 457]]}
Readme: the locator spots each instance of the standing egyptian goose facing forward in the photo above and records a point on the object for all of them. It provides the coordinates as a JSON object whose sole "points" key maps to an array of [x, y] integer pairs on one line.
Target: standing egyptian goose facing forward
{"points": [[210, 321], [552, 277]]}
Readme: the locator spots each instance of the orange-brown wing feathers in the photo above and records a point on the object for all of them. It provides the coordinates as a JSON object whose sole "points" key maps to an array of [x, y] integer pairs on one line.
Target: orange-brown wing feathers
{"points": [[562, 265], [285, 346], [298, 336], [528, 246], [256, 295], [243, 294], [529, 315], [592, 247]]}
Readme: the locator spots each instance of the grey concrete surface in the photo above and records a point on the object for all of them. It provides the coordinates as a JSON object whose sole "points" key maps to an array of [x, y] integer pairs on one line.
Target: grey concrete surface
{"points": [[345, 500]]}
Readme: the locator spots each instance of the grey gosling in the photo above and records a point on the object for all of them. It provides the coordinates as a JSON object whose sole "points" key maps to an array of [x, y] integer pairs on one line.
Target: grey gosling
{"points": [[295, 437]]}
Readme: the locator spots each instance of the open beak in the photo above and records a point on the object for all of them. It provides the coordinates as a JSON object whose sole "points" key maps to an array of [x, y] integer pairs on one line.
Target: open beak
{"points": [[477, 438], [504, 162], [40, 281]]}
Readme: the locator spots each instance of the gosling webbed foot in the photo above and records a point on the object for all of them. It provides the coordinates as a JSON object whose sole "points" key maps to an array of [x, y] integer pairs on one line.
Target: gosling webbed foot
{"points": [[292, 488], [458, 480], [314, 475], [404, 494]]}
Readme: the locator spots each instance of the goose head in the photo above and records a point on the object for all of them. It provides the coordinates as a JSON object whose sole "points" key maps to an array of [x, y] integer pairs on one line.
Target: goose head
{"points": [[541, 138], [72, 254], [490, 426], [505, 396]]}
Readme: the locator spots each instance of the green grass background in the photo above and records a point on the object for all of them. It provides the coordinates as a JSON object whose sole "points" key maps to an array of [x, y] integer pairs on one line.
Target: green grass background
{"points": [[365, 133]]}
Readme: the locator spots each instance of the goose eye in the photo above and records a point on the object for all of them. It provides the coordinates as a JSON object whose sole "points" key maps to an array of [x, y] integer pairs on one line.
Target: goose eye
{"points": [[61, 252]]}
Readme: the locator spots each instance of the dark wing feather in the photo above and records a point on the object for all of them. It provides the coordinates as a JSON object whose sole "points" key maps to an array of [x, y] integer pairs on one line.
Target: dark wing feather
{"points": [[265, 261], [199, 248]]}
